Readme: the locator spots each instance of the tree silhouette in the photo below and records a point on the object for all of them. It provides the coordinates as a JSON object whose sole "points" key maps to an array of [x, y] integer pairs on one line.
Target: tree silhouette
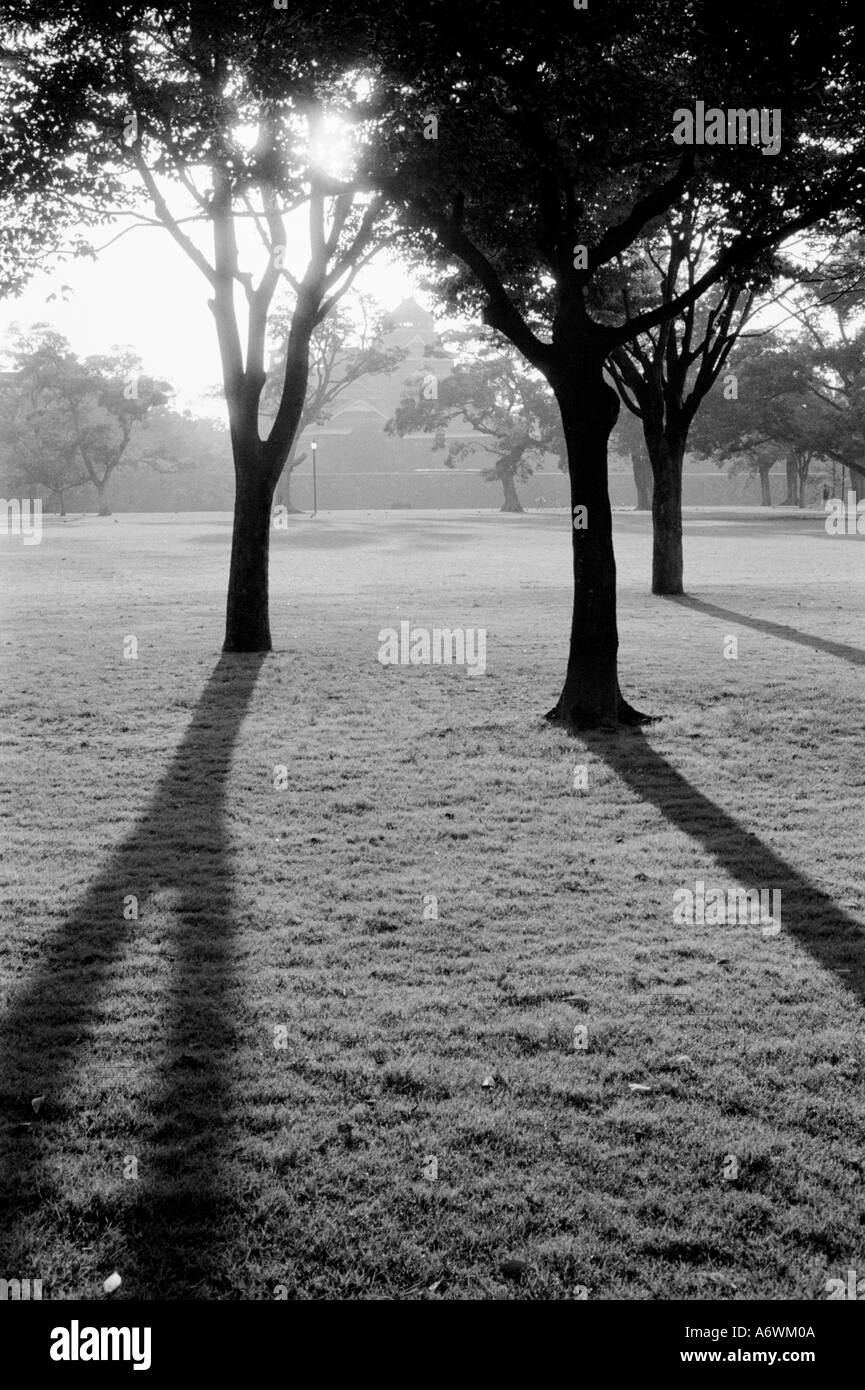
{"points": [[65, 422], [510, 409]]}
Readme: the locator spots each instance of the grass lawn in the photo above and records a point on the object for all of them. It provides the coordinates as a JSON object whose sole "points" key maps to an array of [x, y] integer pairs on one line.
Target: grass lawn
{"points": [[243, 1086]]}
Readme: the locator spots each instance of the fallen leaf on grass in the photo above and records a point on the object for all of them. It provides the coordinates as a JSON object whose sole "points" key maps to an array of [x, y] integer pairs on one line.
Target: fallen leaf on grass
{"points": [[712, 1278]]}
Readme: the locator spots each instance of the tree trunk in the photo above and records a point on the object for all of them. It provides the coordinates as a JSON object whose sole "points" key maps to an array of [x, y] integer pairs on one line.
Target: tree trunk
{"points": [[667, 454], [803, 465], [512, 502], [257, 463], [857, 482], [765, 487], [792, 498], [282, 496], [247, 622], [642, 477], [102, 498], [590, 696]]}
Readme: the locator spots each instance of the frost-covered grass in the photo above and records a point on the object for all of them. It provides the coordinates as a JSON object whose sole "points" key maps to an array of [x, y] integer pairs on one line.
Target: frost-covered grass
{"points": [[287, 1033]]}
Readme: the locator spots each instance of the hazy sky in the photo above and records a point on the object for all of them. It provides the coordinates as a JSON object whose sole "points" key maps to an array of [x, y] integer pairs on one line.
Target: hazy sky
{"points": [[145, 292]]}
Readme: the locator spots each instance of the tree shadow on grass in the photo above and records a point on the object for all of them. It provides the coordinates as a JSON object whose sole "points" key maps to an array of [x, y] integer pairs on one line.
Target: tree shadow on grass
{"points": [[855, 655], [834, 938], [176, 863]]}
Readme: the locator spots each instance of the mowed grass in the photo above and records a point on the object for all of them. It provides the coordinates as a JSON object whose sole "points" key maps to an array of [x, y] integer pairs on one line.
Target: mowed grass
{"points": [[242, 1087]]}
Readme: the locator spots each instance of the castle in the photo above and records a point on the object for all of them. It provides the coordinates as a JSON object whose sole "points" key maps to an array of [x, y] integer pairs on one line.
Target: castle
{"points": [[358, 465]]}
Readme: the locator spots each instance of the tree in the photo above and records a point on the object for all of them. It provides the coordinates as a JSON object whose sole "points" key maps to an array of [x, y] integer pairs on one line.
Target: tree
{"points": [[833, 313], [510, 409], [223, 116], [773, 416], [66, 422], [112, 398], [629, 437], [762, 461], [186, 457], [43, 181], [31, 232], [664, 374], [343, 348], [36, 444], [527, 150]]}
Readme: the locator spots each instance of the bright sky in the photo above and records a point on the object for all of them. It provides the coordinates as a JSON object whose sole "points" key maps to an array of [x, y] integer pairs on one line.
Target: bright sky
{"points": [[145, 292]]}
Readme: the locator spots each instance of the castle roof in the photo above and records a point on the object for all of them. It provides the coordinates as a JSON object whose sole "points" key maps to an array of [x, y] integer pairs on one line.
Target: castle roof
{"points": [[409, 314]]}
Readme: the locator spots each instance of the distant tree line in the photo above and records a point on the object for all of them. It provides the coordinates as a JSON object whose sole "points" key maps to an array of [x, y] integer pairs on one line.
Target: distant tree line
{"points": [[70, 427]]}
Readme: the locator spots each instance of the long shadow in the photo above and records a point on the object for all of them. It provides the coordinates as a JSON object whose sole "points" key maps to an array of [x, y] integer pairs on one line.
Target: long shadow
{"points": [[834, 938], [855, 655], [176, 863]]}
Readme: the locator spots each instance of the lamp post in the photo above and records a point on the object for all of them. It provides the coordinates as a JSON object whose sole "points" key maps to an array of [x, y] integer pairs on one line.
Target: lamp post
{"points": [[314, 447]]}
